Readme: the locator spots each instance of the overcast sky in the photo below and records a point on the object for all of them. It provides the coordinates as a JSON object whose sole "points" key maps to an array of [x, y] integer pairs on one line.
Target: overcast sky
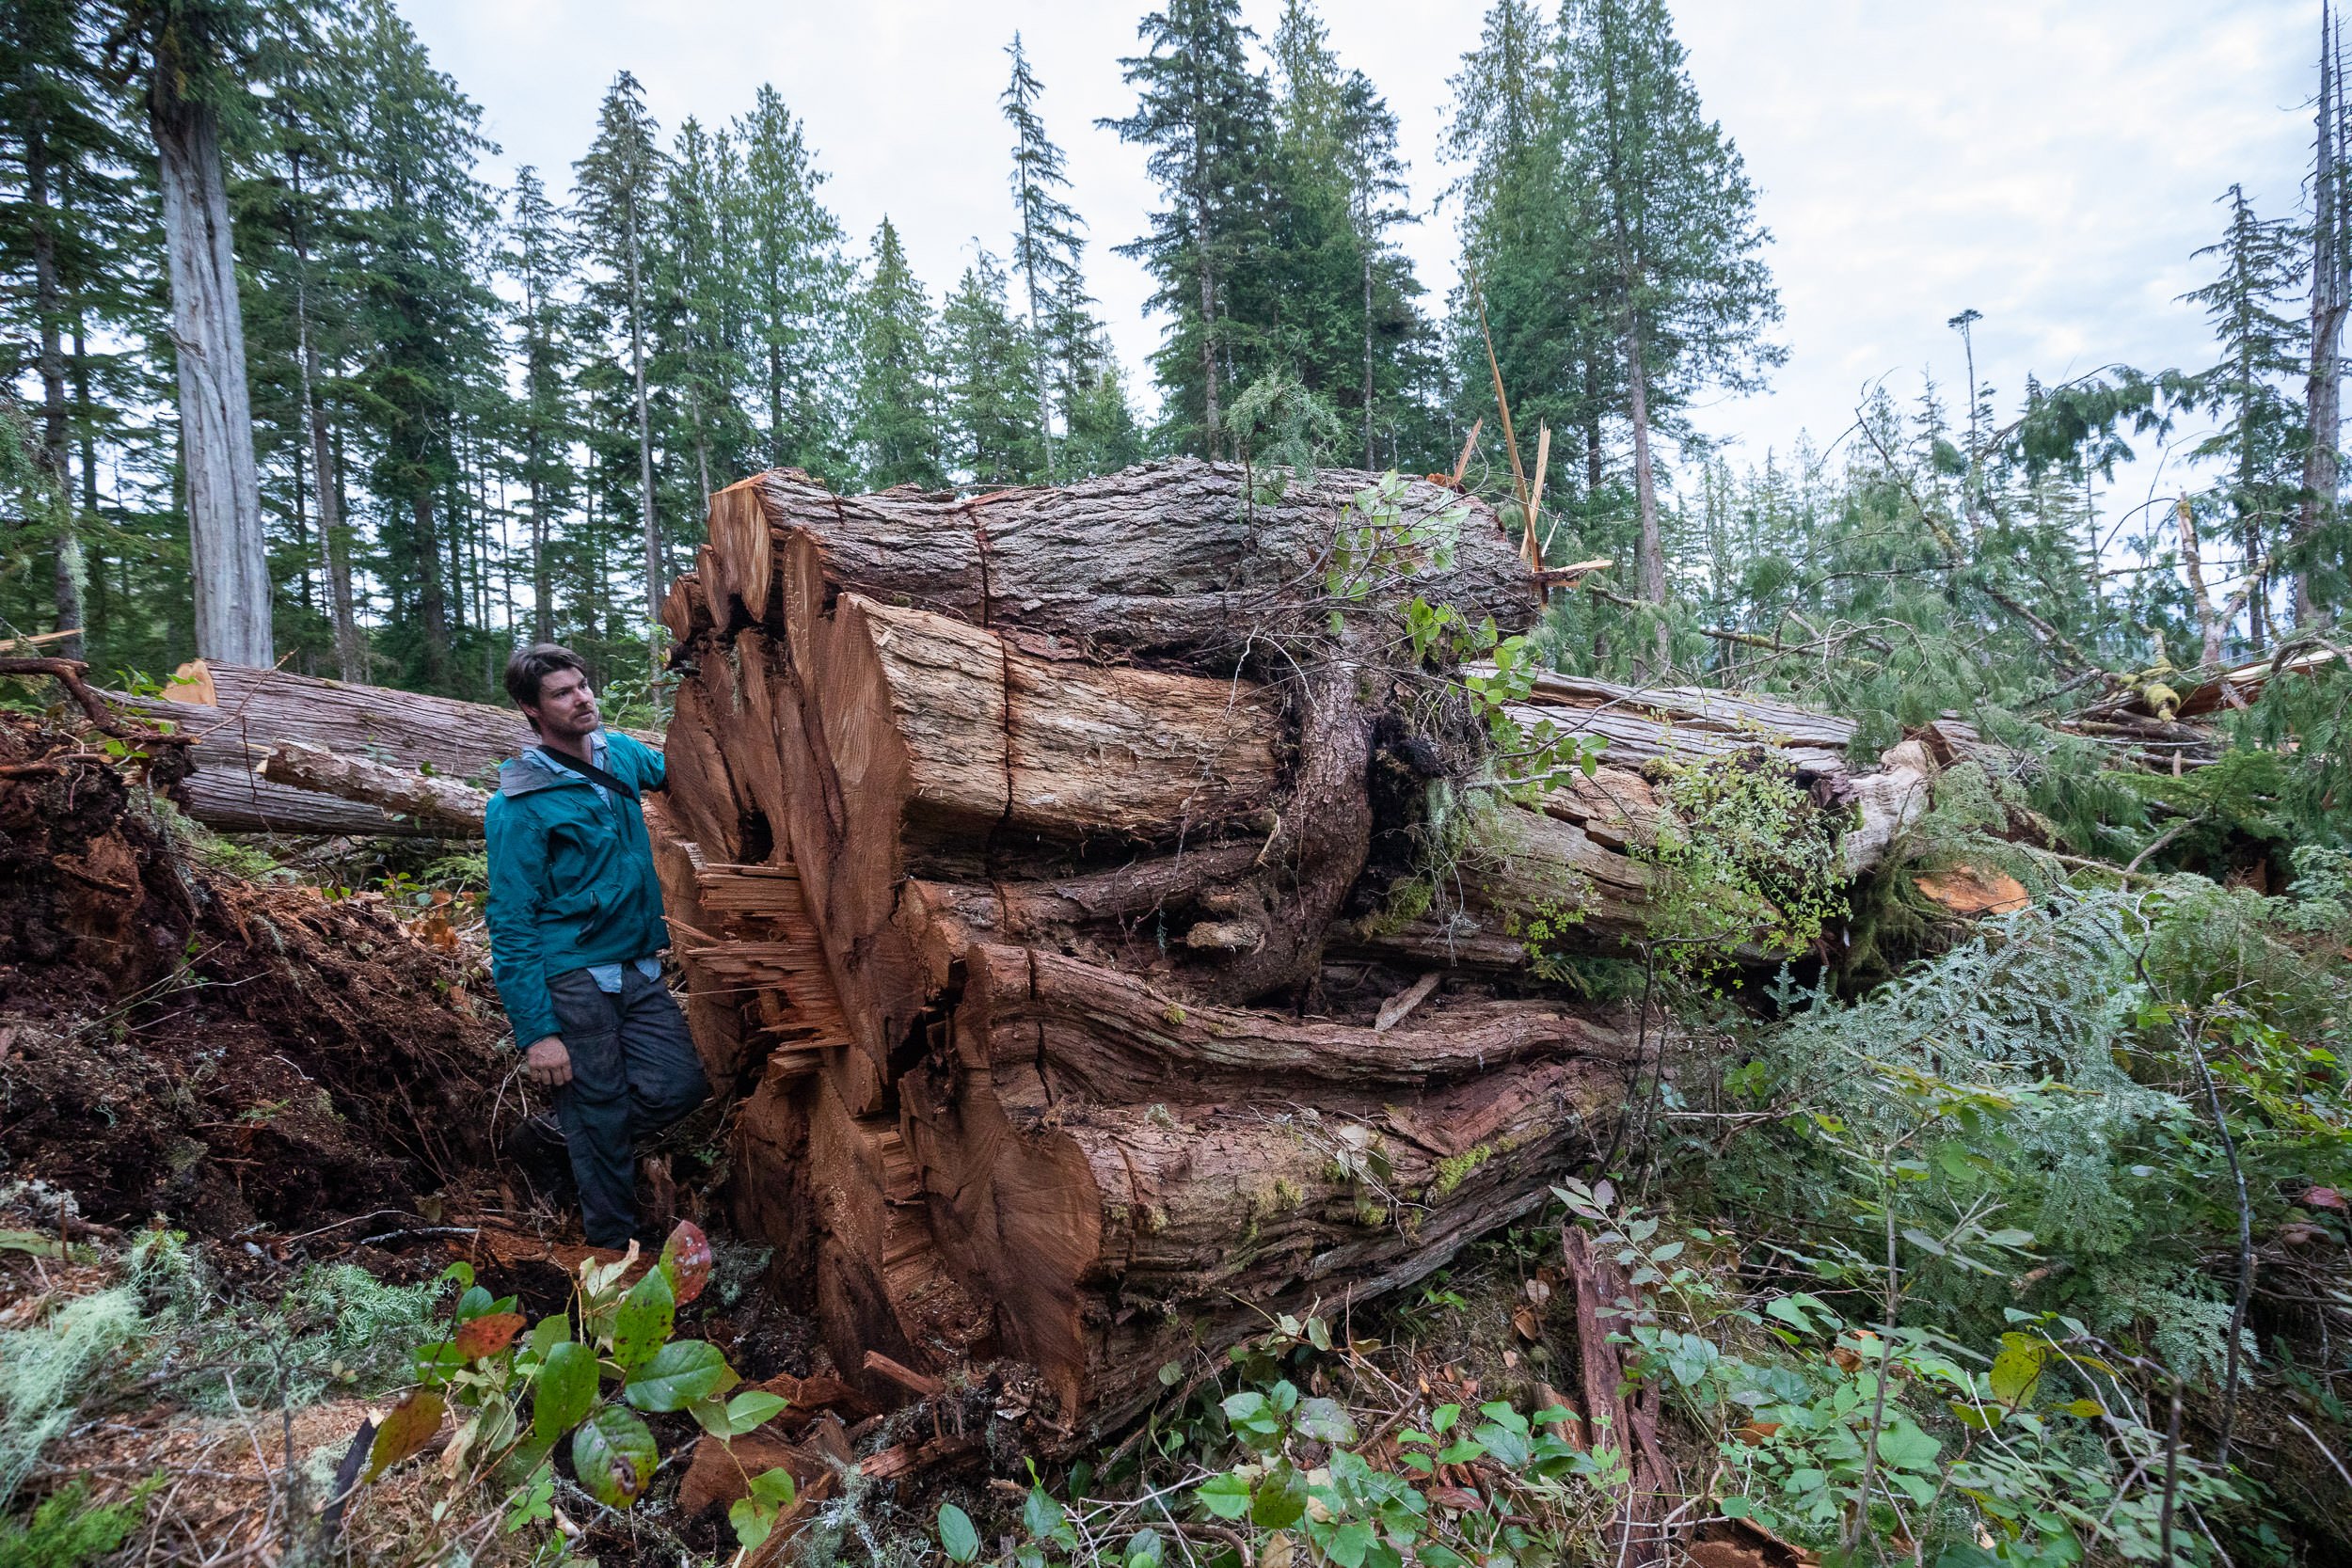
{"points": [[2049, 163]]}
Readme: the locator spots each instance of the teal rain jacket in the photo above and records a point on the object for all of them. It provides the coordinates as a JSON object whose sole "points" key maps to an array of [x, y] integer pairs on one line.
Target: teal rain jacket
{"points": [[571, 877]]}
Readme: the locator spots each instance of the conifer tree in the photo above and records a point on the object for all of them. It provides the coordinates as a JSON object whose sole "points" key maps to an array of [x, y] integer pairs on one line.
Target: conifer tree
{"points": [[1673, 223], [987, 371], [55, 130], [1045, 244], [1345, 305], [619, 181], [2261, 431], [1207, 115], [190, 57], [898, 401], [796, 282], [1531, 259], [1100, 432], [539, 257], [424, 221], [703, 321]]}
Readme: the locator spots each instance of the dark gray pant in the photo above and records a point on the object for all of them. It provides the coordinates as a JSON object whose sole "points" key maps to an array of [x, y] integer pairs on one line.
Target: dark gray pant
{"points": [[634, 1071]]}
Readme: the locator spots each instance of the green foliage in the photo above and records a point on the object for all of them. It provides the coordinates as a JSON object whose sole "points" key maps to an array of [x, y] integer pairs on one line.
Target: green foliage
{"points": [[66, 1532], [2307, 719], [1830, 1431], [2014, 1139], [517, 1395], [1742, 858], [1280, 1464]]}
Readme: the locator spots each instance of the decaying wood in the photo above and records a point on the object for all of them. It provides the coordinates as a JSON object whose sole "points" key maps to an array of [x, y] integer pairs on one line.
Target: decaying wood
{"points": [[1178, 561], [441, 804], [990, 820], [253, 709], [1603, 1297]]}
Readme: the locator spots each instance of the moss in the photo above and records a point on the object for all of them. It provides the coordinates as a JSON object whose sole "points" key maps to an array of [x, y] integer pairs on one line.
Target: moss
{"points": [[1371, 1216], [1452, 1171], [1174, 1015], [1407, 900], [1288, 1193]]}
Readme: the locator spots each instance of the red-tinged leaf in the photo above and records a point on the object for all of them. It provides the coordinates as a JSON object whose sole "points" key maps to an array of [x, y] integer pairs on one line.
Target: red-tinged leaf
{"points": [[2323, 1198], [488, 1336], [407, 1430], [1454, 1497], [687, 1257]]}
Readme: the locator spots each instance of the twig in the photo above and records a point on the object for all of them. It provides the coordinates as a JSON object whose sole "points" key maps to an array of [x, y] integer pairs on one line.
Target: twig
{"points": [[424, 1230], [2325, 1452], [2166, 837]]}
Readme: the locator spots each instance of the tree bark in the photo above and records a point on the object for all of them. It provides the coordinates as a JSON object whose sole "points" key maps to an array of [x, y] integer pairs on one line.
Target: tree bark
{"points": [[2331, 293], [228, 547], [972, 905], [1653, 564], [351, 655], [645, 445], [1170, 562], [431, 612], [447, 807], [252, 710], [2201, 597], [48, 306]]}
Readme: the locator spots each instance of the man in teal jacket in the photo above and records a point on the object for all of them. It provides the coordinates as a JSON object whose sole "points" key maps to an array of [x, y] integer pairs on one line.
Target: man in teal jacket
{"points": [[575, 923]]}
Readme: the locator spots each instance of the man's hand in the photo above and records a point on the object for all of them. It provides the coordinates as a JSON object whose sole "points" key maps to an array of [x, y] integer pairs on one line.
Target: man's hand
{"points": [[548, 1064]]}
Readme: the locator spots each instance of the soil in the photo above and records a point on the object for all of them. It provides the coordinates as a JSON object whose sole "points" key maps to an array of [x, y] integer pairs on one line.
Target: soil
{"points": [[181, 1041]]}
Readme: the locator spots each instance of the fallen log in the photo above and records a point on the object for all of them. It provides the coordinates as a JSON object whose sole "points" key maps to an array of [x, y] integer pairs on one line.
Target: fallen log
{"points": [[978, 810], [442, 805], [252, 710], [1181, 561]]}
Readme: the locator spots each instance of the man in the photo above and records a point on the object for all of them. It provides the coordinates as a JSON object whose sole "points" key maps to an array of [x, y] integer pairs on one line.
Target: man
{"points": [[575, 922]]}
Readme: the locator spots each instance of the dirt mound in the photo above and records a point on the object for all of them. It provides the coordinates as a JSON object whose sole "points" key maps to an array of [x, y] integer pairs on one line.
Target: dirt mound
{"points": [[175, 1040]]}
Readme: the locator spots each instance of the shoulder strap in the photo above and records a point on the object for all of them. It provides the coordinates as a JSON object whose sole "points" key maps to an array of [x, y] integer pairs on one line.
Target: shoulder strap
{"points": [[590, 771]]}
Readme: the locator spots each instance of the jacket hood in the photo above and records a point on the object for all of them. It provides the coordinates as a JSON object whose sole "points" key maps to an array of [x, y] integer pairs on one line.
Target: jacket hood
{"points": [[523, 774]]}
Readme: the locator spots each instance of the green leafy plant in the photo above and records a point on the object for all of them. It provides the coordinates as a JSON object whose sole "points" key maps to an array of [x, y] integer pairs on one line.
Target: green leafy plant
{"points": [[517, 1392]]}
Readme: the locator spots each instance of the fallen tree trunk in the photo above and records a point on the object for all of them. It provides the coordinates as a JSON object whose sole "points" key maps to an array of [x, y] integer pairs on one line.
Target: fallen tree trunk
{"points": [[252, 710], [978, 809], [442, 805], [1179, 561]]}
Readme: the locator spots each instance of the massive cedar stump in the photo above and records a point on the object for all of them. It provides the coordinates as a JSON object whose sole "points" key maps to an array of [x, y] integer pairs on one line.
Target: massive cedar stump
{"points": [[1023, 855]]}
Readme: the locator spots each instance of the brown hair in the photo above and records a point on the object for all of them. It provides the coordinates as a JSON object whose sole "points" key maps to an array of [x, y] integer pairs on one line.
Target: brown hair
{"points": [[533, 664]]}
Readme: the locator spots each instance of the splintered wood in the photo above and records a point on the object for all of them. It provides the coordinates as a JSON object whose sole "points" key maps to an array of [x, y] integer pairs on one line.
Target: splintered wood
{"points": [[984, 853]]}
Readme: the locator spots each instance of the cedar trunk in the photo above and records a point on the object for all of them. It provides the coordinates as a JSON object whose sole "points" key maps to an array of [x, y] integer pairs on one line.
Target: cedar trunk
{"points": [[989, 819], [230, 552]]}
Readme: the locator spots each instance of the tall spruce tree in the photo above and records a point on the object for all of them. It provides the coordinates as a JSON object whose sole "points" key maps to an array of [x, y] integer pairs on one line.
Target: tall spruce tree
{"points": [[702, 324], [1528, 251], [1673, 227], [1350, 328], [2261, 432], [897, 393], [57, 133], [426, 224], [1206, 113], [797, 284], [1045, 242], [2319, 548], [987, 370], [539, 257], [619, 183]]}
